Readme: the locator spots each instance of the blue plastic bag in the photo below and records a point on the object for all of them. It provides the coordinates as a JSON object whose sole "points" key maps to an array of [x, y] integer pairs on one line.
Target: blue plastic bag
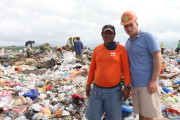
{"points": [[126, 111], [33, 94]]}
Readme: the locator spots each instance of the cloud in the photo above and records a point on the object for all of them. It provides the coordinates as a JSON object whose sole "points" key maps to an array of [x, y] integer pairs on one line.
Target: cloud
{"points": [[55, 21]]}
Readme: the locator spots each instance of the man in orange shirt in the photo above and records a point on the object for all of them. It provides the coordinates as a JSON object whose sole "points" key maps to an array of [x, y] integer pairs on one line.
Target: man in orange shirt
{"points": [[109, 63]]}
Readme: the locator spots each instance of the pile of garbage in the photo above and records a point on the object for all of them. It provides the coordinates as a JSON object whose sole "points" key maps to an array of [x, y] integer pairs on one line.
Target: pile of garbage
{"points": [[27, 92], [51, 87], [170, 84], [170, 89]]}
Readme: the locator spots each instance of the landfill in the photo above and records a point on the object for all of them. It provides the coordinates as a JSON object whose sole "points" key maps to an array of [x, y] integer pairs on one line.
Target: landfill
{"points": [[51, 87]]}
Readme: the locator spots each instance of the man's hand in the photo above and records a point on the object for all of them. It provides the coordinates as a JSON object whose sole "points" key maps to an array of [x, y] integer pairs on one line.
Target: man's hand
{"points": [[153, 86], [88, 90], [126, 93]]}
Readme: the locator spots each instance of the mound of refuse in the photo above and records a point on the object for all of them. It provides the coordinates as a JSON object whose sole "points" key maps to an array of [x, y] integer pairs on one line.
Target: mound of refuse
{"points": [[51, 87]]}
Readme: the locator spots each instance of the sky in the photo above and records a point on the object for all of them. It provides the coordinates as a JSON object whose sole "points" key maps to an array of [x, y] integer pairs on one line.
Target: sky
{"points": [[54, 21]]}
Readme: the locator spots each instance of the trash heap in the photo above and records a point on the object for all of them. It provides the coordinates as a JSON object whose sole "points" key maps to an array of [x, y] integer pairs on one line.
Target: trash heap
{"points": [[52, 87], [169, 89], [29, 93], [170, 84]]}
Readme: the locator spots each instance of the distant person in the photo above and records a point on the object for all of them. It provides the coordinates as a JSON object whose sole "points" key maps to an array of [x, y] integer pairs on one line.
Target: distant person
{"points": [[28, 45], [59, 50], [109, 63], [78, 45], [29, 42], [145, 65], [162, 47], [178, 48]]}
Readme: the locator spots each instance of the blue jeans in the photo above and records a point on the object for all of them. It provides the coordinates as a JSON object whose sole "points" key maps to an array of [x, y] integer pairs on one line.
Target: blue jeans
{"points": [[103, 100]]}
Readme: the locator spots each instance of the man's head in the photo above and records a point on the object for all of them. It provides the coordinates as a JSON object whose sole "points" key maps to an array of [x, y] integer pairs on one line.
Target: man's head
{"points": [[129, 21], [108, 33], [78, 38], [108, 27]]}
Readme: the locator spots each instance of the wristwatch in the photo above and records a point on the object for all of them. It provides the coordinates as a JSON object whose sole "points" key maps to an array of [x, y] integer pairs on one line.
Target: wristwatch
{"points": [[128, 86]]}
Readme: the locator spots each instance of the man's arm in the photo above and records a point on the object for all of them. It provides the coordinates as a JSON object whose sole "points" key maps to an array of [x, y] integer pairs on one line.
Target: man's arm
{"points": [[153, 85], [75, 44], [91, 74], [82, 45], [126, 74]]}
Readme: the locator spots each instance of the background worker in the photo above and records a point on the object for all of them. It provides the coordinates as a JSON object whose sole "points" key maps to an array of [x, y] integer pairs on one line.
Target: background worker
{"points": [[59, 50], [178, 48], [162, 47], [28, 45], [78, 45]]}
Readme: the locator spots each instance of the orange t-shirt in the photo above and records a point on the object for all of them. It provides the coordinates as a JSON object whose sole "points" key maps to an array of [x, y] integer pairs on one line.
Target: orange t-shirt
{"points": [[108, 66]]}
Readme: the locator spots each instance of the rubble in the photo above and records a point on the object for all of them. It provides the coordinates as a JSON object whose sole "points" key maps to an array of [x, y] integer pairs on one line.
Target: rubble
{"points": [[31, 93], [52, 87], [169, 82]]}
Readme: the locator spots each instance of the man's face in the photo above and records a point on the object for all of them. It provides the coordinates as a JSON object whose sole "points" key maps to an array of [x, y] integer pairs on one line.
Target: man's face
{"points": [[131, 29], [108, 37]]}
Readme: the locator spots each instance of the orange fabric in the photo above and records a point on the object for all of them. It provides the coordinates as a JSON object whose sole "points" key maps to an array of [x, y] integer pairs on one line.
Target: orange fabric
{"points": [[108, 66]]}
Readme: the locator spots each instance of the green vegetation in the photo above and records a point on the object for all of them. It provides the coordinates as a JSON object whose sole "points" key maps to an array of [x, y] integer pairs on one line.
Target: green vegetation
{"points": [[13, 48]]}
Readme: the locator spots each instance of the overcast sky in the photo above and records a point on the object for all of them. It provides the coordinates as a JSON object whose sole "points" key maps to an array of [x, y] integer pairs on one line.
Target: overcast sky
{"points": [[54, 21]]}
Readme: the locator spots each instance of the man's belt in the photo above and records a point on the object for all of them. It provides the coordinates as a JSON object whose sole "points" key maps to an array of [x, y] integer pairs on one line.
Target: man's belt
{"points": [[107, 87]]}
